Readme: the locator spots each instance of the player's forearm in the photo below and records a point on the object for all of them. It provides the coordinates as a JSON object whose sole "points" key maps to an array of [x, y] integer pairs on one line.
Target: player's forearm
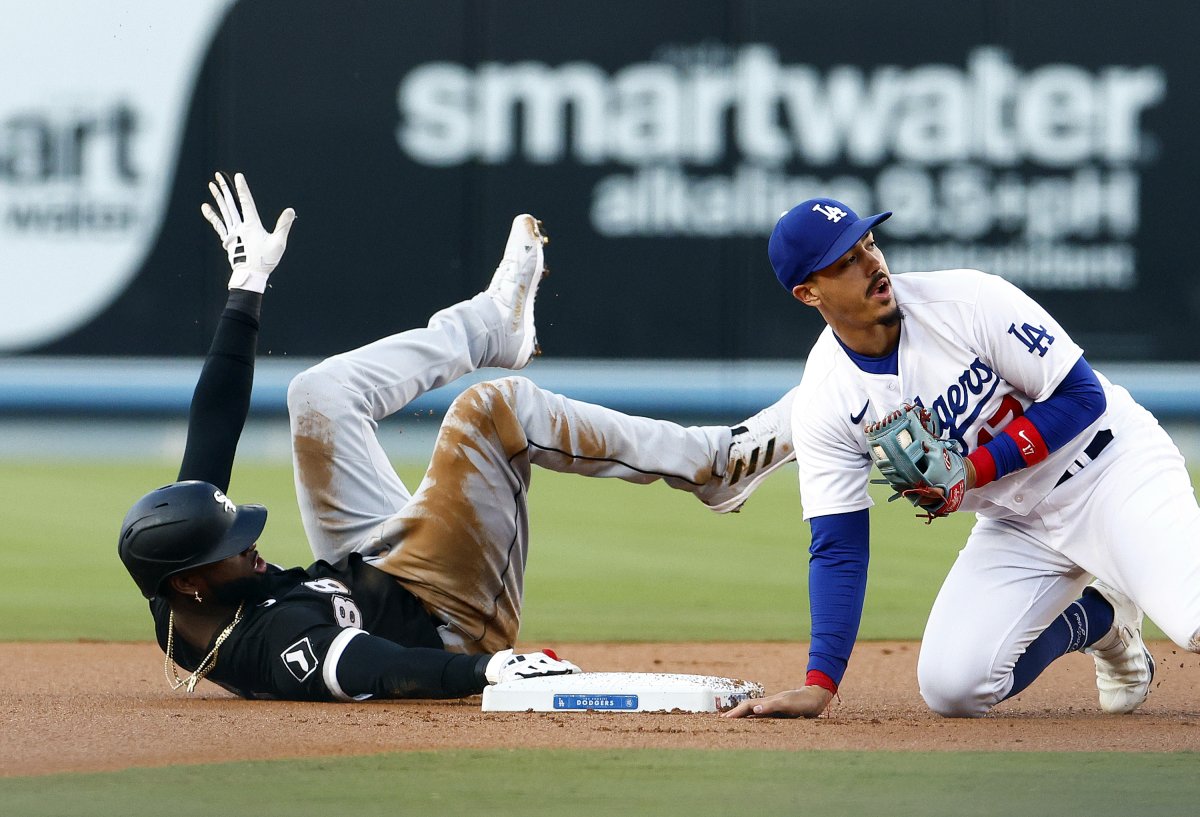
{"points": [[1045, 427], [383, 669], [221, 399], [837, 587]]}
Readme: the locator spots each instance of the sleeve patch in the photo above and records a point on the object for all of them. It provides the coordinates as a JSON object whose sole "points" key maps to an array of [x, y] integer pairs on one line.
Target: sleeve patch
{"points": [[1033, 338], [300, 659]]}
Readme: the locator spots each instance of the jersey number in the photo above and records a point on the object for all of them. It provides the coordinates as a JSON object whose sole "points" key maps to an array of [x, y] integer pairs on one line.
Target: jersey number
{"points": [[1009, 410], [327, 586], [1034, 338], [346, 612]]}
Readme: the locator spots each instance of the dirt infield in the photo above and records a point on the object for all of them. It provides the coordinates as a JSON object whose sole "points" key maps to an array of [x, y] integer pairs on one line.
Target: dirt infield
{"points": [[93, 707]]}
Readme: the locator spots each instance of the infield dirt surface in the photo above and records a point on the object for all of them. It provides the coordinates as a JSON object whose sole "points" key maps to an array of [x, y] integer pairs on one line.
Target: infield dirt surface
{"points": [[73, 707]]}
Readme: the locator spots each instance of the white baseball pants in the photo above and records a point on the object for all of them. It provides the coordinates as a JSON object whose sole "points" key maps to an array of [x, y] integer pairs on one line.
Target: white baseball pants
{"points": [[1129, 518]]}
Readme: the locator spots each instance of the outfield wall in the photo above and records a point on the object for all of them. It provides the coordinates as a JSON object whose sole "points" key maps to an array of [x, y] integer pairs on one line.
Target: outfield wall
{"points": [[1051, 143], [673, 388]]}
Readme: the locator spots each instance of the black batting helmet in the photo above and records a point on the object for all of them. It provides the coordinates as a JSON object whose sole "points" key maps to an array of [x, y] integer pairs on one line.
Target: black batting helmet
{"points": [[181, 526]]}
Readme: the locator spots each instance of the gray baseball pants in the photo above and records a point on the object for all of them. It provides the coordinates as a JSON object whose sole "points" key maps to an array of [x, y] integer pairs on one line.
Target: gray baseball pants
{"points": [[459, 542]]}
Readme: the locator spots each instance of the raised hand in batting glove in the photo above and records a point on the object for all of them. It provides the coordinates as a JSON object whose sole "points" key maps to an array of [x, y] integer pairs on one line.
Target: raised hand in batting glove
{"points": [[505, 666], [253, 252], [929, 472]]}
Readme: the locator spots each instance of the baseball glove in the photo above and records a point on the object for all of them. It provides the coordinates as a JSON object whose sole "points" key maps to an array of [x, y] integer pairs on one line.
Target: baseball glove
{"points": [[925, 470]]}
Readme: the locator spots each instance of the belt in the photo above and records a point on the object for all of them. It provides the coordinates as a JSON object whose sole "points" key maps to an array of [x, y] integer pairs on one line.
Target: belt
{"points": [[1099, 443]]}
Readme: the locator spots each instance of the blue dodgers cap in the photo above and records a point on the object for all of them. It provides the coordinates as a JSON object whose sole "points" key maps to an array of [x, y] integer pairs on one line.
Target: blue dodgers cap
{"points": [[812, 235]]}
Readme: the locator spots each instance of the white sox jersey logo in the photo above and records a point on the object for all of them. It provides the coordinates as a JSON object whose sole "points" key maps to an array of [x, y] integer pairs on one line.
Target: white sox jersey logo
{"points": [[300, 659]]}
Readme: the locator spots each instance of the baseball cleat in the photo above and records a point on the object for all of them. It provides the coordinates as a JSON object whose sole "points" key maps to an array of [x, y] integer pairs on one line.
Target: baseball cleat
{"points": [[514, 287], [761, 445], [1124, 667]]}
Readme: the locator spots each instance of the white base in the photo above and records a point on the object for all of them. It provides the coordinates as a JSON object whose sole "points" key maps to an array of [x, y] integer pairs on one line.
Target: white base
{"points": [[619, 692]]}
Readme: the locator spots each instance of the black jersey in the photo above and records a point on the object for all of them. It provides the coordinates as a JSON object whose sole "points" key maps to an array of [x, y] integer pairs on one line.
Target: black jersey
{"points": [[291, 645], [344, 631]]}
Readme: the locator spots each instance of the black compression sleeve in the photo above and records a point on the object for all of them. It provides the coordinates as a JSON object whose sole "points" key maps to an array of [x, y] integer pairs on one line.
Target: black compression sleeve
{"points": [[221, 400], [384, 669]]}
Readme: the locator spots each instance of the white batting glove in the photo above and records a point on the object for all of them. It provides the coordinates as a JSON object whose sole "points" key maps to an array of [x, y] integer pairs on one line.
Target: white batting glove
{"points": [[253, 252], [504, 666]]}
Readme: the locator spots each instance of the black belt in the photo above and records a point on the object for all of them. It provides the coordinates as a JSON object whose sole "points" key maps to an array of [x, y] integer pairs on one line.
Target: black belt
{"points": [[1098, 444]]}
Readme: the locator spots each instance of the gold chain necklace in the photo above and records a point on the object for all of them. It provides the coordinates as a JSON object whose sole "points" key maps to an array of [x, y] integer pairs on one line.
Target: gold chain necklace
{"points": [[205, 667]]}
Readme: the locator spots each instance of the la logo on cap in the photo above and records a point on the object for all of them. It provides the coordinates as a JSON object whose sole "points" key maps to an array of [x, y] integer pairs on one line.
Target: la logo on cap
{"points": [[834, 214], [803, 242]]}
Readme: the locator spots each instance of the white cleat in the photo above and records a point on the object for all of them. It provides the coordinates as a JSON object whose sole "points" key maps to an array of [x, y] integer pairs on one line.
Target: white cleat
{"points": [[1124, 667], [761, 445], [514, 287]]}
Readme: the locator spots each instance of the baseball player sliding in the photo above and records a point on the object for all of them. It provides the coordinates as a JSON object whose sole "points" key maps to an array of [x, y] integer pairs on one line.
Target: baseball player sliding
{"points": [[968, 395], [415, 593]]}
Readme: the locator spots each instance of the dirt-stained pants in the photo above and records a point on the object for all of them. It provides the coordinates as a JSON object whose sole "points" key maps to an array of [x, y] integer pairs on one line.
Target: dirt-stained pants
{"points": [[460, 541]]}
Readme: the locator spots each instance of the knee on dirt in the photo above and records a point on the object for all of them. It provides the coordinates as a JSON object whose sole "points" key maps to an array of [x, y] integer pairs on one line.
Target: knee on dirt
{"points": [[950, 693]]}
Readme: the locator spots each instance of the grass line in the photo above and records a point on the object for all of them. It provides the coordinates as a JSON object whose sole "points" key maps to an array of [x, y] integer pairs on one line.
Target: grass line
{"points": [[691, 783]]}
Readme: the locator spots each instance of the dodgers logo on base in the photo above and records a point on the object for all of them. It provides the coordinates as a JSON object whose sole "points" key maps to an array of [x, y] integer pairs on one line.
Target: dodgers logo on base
{"points": [[623, 692], [628, 702]]}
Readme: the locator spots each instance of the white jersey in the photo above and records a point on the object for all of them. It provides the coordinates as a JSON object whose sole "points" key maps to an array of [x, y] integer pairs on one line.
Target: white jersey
{"points": [[977, 352]]}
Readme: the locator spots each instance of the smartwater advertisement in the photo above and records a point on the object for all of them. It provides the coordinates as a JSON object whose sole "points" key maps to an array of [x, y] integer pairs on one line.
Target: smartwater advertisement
{"points": [[658, 142]]}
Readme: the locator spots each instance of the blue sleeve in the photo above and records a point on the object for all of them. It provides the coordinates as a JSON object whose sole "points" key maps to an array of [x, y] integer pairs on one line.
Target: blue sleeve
{"points": [[837, 585], [1076, 404]]}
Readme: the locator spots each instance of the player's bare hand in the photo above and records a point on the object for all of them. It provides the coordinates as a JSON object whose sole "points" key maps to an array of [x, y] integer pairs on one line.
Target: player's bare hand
{"points": [[806, 702], [253, 252]]}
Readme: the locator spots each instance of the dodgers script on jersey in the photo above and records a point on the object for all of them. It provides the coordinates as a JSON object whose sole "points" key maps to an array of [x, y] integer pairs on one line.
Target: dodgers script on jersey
{"points": [[975, 351]]}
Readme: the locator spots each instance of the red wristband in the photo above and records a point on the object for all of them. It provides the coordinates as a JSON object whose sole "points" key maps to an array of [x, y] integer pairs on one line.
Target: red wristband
{"points": [[985, 466], [816, 678], [1028, 439]]}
